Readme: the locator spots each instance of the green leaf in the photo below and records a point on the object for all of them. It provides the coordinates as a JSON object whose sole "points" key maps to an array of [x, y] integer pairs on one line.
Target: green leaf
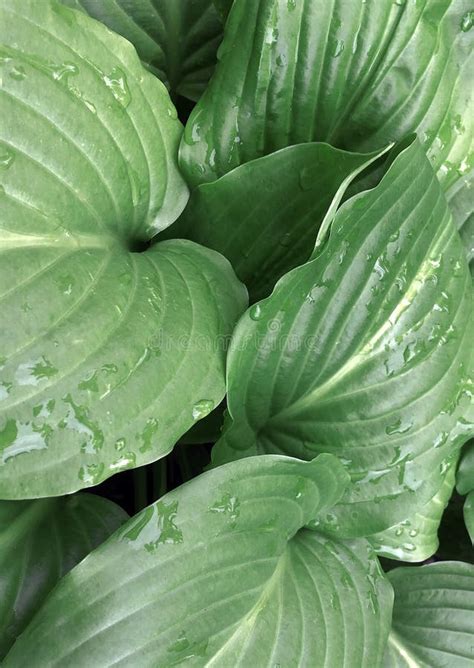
{"points": [[465, 474], [176, 39], [223, 7], [416, 538], [364, 352], [40, 541], [221, 572], [469, 515], [461, 204], [107, 356], [264, 216], [352, 73], [433, 616]]}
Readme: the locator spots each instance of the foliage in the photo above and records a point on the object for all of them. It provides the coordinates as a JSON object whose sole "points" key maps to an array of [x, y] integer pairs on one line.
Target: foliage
{"points": [[253, 333]]}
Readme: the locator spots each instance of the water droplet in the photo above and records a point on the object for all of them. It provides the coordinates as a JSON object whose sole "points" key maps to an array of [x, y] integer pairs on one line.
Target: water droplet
{"points": [[6, 157], [168, 532], [338, 48], [172, 113], [256, 312], [149, 430], [412, 533], [397, 427], [32, 373], [291, 4], [399, 531], [126, 462], [467, 21], [227, 505], [186, 649], [91, 474], [18, 73], [78, 420], [202, 408], [120, 444], [117, 82]]}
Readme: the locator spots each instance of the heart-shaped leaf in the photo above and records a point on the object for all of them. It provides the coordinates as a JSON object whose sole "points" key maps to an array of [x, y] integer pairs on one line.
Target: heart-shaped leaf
{"points": [[220, 572], [353, 73], [433, 616], [365, 352], [416, 538], [107, 356], [264, 216], [176, 39], [40, 541]]}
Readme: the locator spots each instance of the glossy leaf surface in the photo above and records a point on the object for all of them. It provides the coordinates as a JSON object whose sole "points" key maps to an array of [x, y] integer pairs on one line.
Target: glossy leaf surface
{"points": [[465, 485], [176, 39], [416, 538], [264, 216], [355, 73], [220, 572], [469, 515], [107, 355], [40, 541], [433, 616], [364, 352]]}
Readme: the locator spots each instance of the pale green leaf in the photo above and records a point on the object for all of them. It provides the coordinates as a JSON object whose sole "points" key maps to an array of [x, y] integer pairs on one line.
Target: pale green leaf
{"points": [[220, 572], [107, 356], [353, 73], [40, 541], [416, 538], [364, 352], [433, 617], [176, 39]]}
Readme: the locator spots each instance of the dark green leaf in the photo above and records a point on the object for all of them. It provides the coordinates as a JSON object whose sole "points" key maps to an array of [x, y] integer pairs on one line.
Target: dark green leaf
{"points": [[220, 573], [469, 515], [365, 352], [264, 216], [465, 474], [433, 617], [106, 356], [40, 541], [176, 39]]}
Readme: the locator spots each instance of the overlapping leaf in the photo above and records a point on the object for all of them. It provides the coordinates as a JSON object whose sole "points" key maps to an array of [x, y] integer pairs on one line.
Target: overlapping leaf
{"points": [[265, 215], [40, 541], [176, 39], [433, 616], [465, 485], [364, 352], [107, 355], [355, 74], [416, 538], [220, 572]]}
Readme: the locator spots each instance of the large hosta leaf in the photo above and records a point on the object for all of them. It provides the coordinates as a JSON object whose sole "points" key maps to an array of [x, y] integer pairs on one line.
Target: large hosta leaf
{"points": [[264, 216], [364, 352], [40, 541], [176, 39], [356, 74], [465, 485], [433, 617], [220, 572], [107, 356], [416, 538]]}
